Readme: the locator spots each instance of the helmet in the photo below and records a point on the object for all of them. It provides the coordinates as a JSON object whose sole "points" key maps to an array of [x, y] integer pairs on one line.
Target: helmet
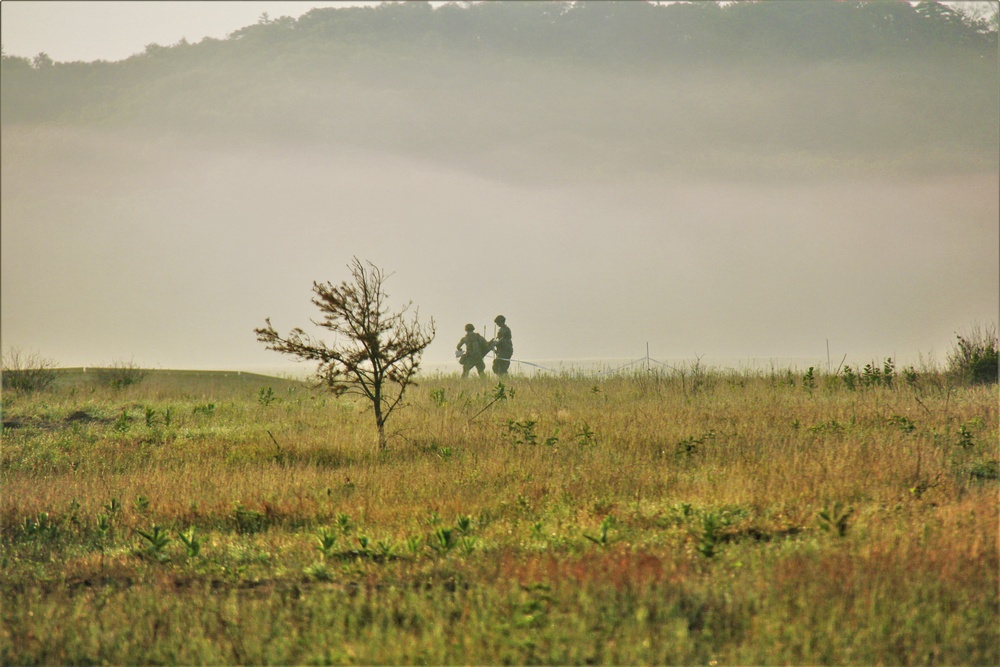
{"points": [[470, 327], [500, 319]]}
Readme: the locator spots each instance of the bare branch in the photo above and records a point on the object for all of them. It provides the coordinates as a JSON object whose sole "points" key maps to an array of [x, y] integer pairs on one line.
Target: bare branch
{"points": [[375, 353]]}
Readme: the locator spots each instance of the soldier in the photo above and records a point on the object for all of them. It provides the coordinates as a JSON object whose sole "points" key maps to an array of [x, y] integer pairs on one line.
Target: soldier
{"points": [[503, 345], [476, 347]]}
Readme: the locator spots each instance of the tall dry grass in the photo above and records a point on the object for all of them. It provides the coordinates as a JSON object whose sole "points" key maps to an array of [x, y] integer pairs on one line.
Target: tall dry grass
{"points": [[643, 519]]}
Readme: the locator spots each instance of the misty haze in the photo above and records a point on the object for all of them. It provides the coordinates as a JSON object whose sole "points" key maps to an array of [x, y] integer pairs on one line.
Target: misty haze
{"points": [[738, 183], [757, 242]]}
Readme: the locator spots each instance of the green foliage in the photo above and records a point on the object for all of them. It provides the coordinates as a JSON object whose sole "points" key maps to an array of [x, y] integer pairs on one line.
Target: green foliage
{"points": [[207, 409], [123, 422], [141, 504], [266, 396], [585, 436], [120, 374], [40, 526], [904, 423], [974, 359], [965, 437], [326, 542], [809, 380], [522, 433], [413, 544], [601, 539], [192, 544], [850, 377], [708, 540], [249, 522], [463, 524], [113, 506], [438, 398], [443, 539], [156, 541], [835, 519], [874, 376]]}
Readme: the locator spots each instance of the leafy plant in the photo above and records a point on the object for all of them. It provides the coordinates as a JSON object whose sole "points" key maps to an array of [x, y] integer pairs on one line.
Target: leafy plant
{"points": [[437, 396], [123, 422], [965, 437], [468, 544], [385, 548], [850, 377], [191, 542], [156, 540], [266, 396], [834, 519], [585, 436], [809, 380], [904, 423], [710, 536], [444, 539], [141, 504], [103, 525], [413, 544], [326, 542], [113, 506], [602, 537], [522, 433], [40, 526], [974, 359], [463, 524]]}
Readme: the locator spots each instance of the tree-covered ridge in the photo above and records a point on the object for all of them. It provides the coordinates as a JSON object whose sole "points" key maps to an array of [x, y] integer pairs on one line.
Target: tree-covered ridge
{"points": [[816, 77]]}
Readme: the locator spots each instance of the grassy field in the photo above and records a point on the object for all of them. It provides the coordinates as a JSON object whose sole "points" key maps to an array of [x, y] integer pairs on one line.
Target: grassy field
{"points": [[697, 518]]}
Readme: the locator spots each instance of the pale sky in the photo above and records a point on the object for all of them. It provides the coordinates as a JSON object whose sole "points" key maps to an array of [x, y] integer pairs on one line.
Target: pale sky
{"points": [[173, 258]]}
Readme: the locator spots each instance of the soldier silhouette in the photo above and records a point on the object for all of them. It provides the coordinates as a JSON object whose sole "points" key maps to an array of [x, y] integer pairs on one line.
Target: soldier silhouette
{"points": [[503, 345], [476, 348]]}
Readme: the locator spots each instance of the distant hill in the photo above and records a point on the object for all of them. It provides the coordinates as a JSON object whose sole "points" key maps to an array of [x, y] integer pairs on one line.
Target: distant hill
{"points": [[588, 89]]}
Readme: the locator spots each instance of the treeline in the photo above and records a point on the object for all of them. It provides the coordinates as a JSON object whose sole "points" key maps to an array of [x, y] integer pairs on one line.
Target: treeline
{"points": [[408, 77]]}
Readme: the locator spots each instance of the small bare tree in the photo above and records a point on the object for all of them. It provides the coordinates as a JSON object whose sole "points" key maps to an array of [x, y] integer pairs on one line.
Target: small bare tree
{"points": [[375, 354]]}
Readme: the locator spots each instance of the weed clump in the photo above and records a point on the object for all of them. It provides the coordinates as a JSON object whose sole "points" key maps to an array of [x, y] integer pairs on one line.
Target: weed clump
{"points": [[120, 374], [974, 359], [26, 371]]}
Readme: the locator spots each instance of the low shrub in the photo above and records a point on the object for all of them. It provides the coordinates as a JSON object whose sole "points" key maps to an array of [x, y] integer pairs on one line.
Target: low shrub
{"points": [[974, 358], [26, 371]]}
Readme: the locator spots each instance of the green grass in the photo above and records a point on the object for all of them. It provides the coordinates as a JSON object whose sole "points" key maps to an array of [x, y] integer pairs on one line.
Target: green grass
{"points": [[741, 518]]}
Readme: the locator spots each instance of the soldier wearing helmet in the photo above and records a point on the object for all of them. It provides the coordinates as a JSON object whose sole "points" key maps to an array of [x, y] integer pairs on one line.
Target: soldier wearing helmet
{"points": [[503, 345], [476, 347]]}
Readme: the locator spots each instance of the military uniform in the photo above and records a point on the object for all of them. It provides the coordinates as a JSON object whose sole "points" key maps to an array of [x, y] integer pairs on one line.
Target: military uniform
{"points": [[476, 347], [503, 345]]}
